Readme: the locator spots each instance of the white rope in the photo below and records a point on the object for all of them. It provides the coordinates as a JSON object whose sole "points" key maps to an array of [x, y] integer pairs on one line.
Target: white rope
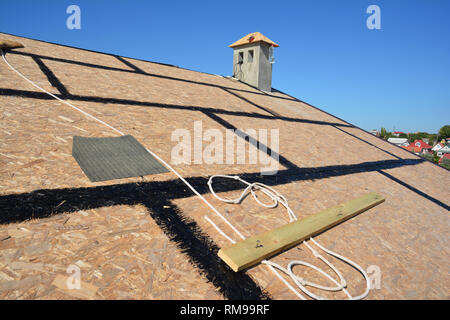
{"points": [[274, 270], [218, 229], [301, 283], [274, 195], [353, 264]]}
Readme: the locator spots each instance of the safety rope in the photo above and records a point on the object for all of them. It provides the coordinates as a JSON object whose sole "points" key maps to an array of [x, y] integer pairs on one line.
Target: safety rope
{"points": [[278, 198], [251, 187]]}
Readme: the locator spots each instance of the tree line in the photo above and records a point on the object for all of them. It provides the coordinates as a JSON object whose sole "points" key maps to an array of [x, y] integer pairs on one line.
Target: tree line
{"points": [[443, 133]]}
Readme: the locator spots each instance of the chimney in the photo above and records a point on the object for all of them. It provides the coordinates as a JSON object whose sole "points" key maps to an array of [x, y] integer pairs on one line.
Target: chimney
{"points": [[253, 59]]}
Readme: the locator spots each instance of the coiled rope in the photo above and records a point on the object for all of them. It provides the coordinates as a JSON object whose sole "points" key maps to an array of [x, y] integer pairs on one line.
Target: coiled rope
{"points": [[275, 196]]}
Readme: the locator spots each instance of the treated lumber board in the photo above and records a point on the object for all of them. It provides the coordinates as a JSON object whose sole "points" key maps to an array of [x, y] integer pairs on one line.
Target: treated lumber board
{"points": [[253, 250], [10, 44]]}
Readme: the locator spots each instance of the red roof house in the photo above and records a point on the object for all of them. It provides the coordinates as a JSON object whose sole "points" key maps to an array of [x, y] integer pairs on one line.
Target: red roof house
{"points": [[445, 156], [419, 146]]}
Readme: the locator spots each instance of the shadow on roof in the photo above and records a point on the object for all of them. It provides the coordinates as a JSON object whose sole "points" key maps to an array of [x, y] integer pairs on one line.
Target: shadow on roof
{"points": [[137, 70]]}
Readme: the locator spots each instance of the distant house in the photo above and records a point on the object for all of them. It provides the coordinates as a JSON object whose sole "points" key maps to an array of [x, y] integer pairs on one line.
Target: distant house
{"points": [[402, 142], [443, 151], [397, 133], [418, 147], [437, 147], [375, 132], [445, 156]]}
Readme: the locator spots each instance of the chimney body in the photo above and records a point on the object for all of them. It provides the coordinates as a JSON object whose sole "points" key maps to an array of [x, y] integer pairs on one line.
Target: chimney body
{"points": [[252, 60]]}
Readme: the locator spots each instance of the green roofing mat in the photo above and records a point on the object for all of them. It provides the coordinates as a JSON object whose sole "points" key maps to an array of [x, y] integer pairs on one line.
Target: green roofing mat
{"points": [[114, 158]]}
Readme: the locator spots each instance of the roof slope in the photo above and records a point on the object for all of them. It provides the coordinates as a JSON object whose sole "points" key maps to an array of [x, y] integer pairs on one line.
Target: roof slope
{"points": [[146, 238]]}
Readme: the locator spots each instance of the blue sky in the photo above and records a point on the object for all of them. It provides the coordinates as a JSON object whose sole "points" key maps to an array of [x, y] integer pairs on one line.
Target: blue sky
{"points": [[397, 77]]}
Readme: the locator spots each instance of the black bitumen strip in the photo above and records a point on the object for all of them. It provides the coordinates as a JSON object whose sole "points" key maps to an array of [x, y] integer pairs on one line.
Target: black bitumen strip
{"points": [[106, 100], [54, 81], [182, 230], [47, 202], [129, 64], [201, 250], [367, 142], [256, 143], [415, 190], [273, 113]]}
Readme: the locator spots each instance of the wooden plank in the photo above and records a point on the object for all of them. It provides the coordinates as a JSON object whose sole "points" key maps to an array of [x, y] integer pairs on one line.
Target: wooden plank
{"points": [[253, 250]]}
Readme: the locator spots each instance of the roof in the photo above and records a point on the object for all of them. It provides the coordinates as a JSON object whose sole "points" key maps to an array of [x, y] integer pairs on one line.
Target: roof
{"points": [[146, 237], [437, 146], [445, 156], [418, 146], [397, 140], [445, 149], [253, 38]]}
